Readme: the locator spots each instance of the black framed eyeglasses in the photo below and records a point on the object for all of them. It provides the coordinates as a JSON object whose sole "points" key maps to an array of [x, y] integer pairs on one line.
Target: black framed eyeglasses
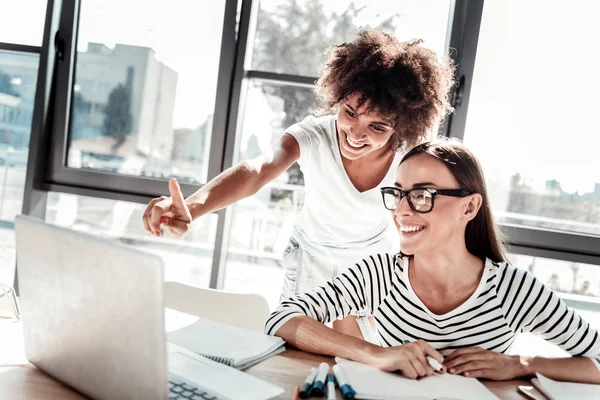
{"points": [[420, 200]]}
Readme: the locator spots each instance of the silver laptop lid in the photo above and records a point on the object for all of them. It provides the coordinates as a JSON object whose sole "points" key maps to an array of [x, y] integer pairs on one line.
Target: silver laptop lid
{"points": [[93, 313]]}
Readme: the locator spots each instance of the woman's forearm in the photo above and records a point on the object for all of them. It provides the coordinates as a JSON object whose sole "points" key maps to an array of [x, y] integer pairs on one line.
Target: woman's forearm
{"points": [[309, 335], [236, 183], [572, 369], [245, 179]]}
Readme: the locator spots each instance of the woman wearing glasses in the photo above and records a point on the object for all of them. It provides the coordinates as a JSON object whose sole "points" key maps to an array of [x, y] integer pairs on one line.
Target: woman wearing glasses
{"points": [[387, 95], [449, 294]]}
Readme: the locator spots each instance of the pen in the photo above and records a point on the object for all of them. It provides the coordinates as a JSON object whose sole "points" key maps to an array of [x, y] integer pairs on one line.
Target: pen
{"points": [[318, 387], [347, 392], [305, 390], [434, 364], [330, 387], [296, 393]]}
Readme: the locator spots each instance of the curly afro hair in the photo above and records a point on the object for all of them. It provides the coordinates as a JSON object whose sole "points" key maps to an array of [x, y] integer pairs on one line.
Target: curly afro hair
{"points": [[400, 80]]}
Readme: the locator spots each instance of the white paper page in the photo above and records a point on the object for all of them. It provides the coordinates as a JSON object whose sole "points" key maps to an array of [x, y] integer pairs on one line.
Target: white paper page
{"points": [[451, 387], [372, 383], [222, 340], [569, 390]]}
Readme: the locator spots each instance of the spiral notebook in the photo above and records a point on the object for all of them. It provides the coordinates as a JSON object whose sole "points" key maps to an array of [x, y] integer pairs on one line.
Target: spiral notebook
{"points": [[230, 345]]}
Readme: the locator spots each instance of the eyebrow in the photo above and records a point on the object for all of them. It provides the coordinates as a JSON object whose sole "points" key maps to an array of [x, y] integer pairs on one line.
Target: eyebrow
{"points": [[387, 124], [418, 184]]}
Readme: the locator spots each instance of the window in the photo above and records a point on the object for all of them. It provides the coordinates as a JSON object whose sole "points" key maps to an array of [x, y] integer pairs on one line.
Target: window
{"points": [[262, 224], [144, 91], [18, 72], [187, 260], [148, 90], [22, 22], [539, 86], [292, 36]]}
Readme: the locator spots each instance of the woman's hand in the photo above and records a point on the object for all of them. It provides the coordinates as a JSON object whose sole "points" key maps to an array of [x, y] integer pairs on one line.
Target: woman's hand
{"points": [[410, 359], [480, 363], [172, 212]]}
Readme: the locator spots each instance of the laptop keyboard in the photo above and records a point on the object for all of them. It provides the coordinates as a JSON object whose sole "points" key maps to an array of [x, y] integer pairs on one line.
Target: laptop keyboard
{"points": [[179, 389]]}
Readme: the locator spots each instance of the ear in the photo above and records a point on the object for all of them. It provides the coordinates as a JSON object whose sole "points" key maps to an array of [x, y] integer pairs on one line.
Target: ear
{"points": [[471, 206]]}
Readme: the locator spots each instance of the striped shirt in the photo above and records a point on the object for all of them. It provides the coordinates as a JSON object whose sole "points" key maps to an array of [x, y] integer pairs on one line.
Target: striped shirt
{"points": [[507, 301]]}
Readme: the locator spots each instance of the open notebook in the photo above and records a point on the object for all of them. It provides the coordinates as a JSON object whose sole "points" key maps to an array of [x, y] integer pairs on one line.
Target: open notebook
{"points": [[556, 390], [371, 383], [230, 345]]}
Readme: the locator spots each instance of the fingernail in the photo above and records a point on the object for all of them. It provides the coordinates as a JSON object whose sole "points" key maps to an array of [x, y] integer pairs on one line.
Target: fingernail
{"points": [[466, 374], [451, 370], [164, 220]]}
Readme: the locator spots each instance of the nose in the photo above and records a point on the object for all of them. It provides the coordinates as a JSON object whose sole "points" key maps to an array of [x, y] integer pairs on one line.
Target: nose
{"points": [[356, 133], [403, 208]]}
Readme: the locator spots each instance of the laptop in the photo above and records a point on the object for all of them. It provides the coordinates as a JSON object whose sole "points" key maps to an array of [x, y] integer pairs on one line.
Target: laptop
{"points": [[93, 317]]}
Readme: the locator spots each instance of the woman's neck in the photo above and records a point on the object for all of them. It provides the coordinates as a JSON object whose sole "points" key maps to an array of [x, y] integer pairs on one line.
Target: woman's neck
{"points": [[445, 280], [447, 270]]}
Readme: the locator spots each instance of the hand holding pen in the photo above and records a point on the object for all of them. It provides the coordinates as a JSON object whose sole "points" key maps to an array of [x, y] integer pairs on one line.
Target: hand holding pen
{"points": [[410, 358]]}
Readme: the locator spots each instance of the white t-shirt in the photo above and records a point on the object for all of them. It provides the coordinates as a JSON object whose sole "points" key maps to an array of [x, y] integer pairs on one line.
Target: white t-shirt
{"points": [[337, 221]]}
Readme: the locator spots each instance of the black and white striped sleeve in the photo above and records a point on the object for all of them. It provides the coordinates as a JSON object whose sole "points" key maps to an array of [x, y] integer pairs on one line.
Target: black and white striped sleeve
{"points": [[529, 306], [349, 293]]}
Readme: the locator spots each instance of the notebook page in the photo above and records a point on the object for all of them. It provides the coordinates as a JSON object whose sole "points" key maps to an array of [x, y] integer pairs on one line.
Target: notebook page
{"points": [[455, 387], [372, 383], [224, 341], [569, 390]]}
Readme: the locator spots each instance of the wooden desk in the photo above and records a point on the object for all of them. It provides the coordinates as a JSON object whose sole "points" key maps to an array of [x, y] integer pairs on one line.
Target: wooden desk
{"points": [[288, 369], [20, 380]]}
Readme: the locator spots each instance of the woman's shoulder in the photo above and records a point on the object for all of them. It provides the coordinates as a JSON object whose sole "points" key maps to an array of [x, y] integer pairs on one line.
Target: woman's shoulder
{"points": [[498, 265], [379, 260], [315, 124], [504, 274]]}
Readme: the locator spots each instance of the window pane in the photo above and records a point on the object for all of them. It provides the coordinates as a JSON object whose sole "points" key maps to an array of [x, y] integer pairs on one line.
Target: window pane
{"points": [[262, 224], [187, 260], [532, 113], [22, 22], [18, 77], [291, 37], [144, 90]]}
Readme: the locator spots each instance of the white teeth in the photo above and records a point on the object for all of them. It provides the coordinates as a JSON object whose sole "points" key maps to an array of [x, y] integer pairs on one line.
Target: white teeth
{"points": [[410, 228], [353, 143]]}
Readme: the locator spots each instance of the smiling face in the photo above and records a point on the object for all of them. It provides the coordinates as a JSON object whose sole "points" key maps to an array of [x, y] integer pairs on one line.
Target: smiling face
{"points": [[361, 133], [445, 224]]}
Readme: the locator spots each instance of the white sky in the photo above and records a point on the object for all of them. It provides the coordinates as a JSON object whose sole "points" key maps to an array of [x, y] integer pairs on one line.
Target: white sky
{"points": [[534, 98]]}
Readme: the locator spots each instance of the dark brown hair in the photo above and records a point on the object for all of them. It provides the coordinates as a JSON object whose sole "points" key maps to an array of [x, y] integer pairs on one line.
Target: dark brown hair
{"points": [[482, 236], [399, 80]]}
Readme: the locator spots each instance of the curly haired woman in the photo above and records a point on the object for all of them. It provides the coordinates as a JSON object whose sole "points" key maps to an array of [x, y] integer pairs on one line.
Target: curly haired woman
{"points": [[384, 97]]}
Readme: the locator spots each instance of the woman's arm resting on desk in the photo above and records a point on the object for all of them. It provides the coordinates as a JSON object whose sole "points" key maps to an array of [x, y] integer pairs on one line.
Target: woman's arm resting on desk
{"points": [[236, 183], [542, 313], [480, 363], [300, 321], [573, 369], [309, 335]]}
